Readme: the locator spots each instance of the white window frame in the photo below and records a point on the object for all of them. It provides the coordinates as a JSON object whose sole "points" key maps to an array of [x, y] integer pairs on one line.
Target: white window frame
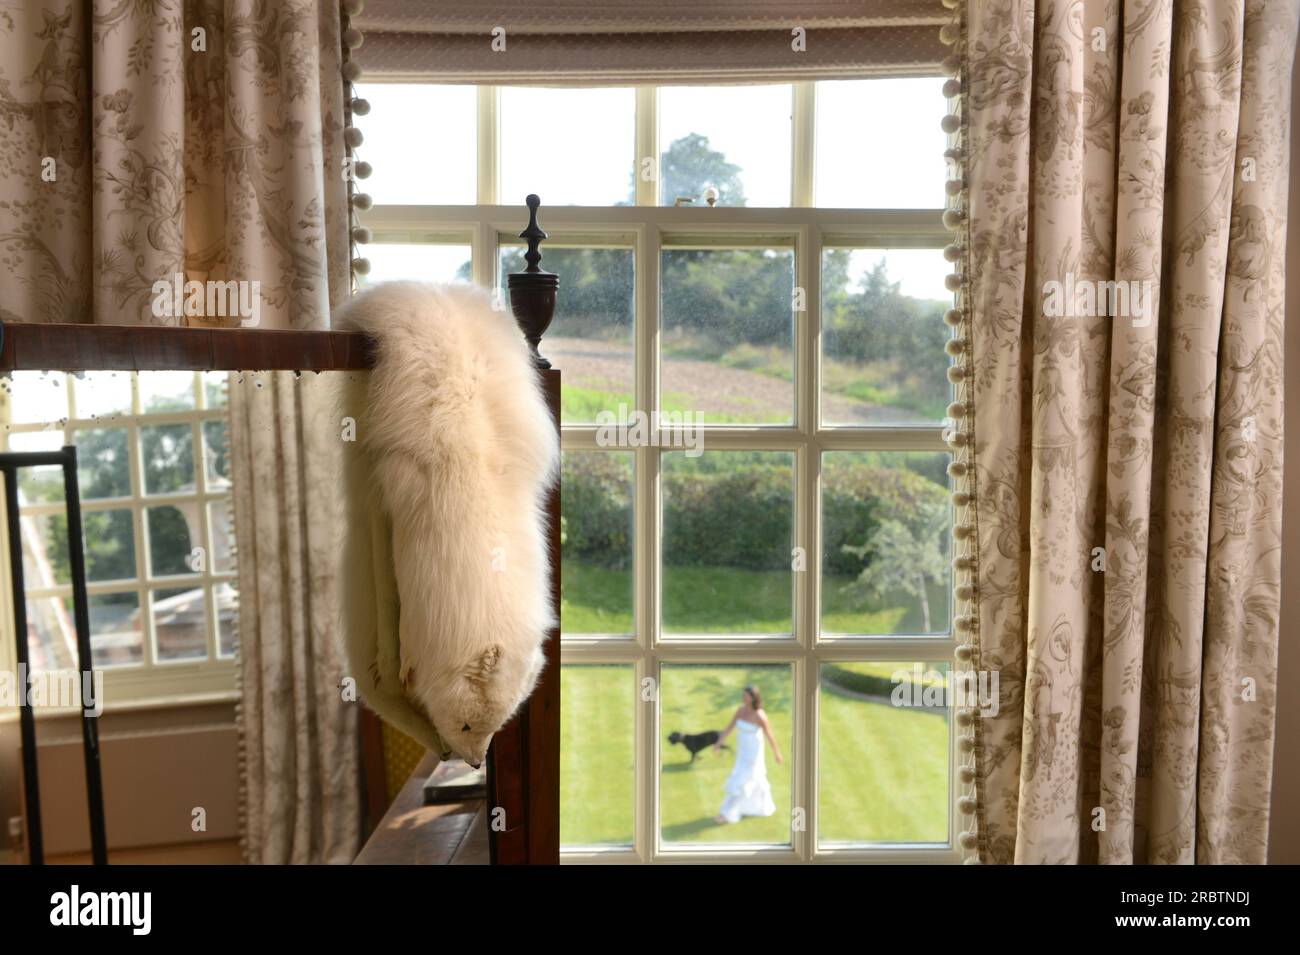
{"points": [[151, 682], [644, 227]]}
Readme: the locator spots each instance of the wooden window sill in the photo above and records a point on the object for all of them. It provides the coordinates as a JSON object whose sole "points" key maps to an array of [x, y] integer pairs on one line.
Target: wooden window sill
{"points": [[412, 833]]}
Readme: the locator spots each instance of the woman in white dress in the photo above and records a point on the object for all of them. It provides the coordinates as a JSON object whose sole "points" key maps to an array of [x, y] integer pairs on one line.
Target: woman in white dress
{"points": [[748, 792]]}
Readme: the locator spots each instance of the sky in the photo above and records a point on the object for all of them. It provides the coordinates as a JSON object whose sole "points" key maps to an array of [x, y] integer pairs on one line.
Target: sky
{"points": [[879, 145], [40, 397]]}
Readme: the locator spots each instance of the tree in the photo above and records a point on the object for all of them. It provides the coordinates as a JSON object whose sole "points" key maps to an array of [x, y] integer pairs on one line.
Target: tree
{"points": [[690, 165], [905, 552], [893, 343], [726, 297]]}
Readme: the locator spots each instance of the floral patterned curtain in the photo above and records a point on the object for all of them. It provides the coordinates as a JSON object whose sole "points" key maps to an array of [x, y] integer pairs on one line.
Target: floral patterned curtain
{"points": [[170, 137], [1127, 459], [300, 778]]}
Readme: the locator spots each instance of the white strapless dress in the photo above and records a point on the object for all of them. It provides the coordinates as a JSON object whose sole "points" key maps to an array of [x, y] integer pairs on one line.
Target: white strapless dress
{"points": [[748, 792]]}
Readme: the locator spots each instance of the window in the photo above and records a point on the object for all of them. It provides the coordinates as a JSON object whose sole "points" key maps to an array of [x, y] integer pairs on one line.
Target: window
{"points": [[154, 485], [801, 543]]}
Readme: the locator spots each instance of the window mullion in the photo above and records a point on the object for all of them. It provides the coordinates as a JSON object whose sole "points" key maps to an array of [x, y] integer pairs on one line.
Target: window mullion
{"points": [[808, 472], [807, 468], [8, 639], [804, 145], [646, 560], [803, 759], [489, 145], [135, 465], [647, 145], [484, 257], [647, 620], [200, 511], [645, 726], [646, 359]]}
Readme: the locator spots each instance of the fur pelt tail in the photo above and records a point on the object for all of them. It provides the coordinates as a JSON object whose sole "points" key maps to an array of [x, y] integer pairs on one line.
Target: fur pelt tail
{"points": [[460, 450]]}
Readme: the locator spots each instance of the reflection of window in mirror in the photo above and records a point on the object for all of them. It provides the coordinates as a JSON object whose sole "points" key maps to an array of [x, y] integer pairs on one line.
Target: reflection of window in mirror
{"points": [[794, 328], [158, 534]]}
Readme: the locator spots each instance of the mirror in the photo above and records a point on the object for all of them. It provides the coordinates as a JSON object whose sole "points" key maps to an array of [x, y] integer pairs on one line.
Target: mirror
{"points": [[155, 478], [161, 469], [153, 467]]}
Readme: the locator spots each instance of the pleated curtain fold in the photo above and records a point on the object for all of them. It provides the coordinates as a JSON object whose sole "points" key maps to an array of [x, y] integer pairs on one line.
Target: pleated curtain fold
{"points": [[198, 138], [300, 778], [1126, 180]]}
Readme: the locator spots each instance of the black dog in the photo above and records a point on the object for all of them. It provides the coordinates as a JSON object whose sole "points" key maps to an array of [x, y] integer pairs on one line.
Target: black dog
{"points": [[694, 742]]}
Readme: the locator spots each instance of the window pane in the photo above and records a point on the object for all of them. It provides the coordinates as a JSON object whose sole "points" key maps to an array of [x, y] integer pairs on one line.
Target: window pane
{"points": [[744, 782], [51, 634], [572, 147], [215, 449], [728, 527], [107, 542], [42, 484], [166, 390], [882, 768], [180, 620], [115, 634], [883, 334], [855, 169], [103, 468], [227, 600], [422, 141], [223, 537], [215, 388], [597, 755], [736, 139], [419, 261], [886, 522], [596, 583], [102, 394], [37, 397], [728, 334], [109, 545], [45, 551], [116, 637], [590, 340], [173, 536], [168, 458]]}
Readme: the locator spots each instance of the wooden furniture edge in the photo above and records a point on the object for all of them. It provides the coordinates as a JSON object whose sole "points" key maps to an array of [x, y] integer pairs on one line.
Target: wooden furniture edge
{"points": [[69, 347]]}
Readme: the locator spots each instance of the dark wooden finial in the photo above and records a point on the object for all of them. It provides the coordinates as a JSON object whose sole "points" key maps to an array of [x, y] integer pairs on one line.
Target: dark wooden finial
{"points": [[533, 292], [534, 234]]}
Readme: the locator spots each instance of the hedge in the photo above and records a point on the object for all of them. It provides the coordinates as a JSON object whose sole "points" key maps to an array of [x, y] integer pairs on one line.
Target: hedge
{"points": [[596, 495], [730, 510], [868, 684]]}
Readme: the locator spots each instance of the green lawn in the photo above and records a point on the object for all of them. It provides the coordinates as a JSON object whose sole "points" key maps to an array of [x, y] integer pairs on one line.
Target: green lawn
{"points": [[884, 384], [728, 600], [596, 758], [883, 770], [697, 698], [580, 404]]}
